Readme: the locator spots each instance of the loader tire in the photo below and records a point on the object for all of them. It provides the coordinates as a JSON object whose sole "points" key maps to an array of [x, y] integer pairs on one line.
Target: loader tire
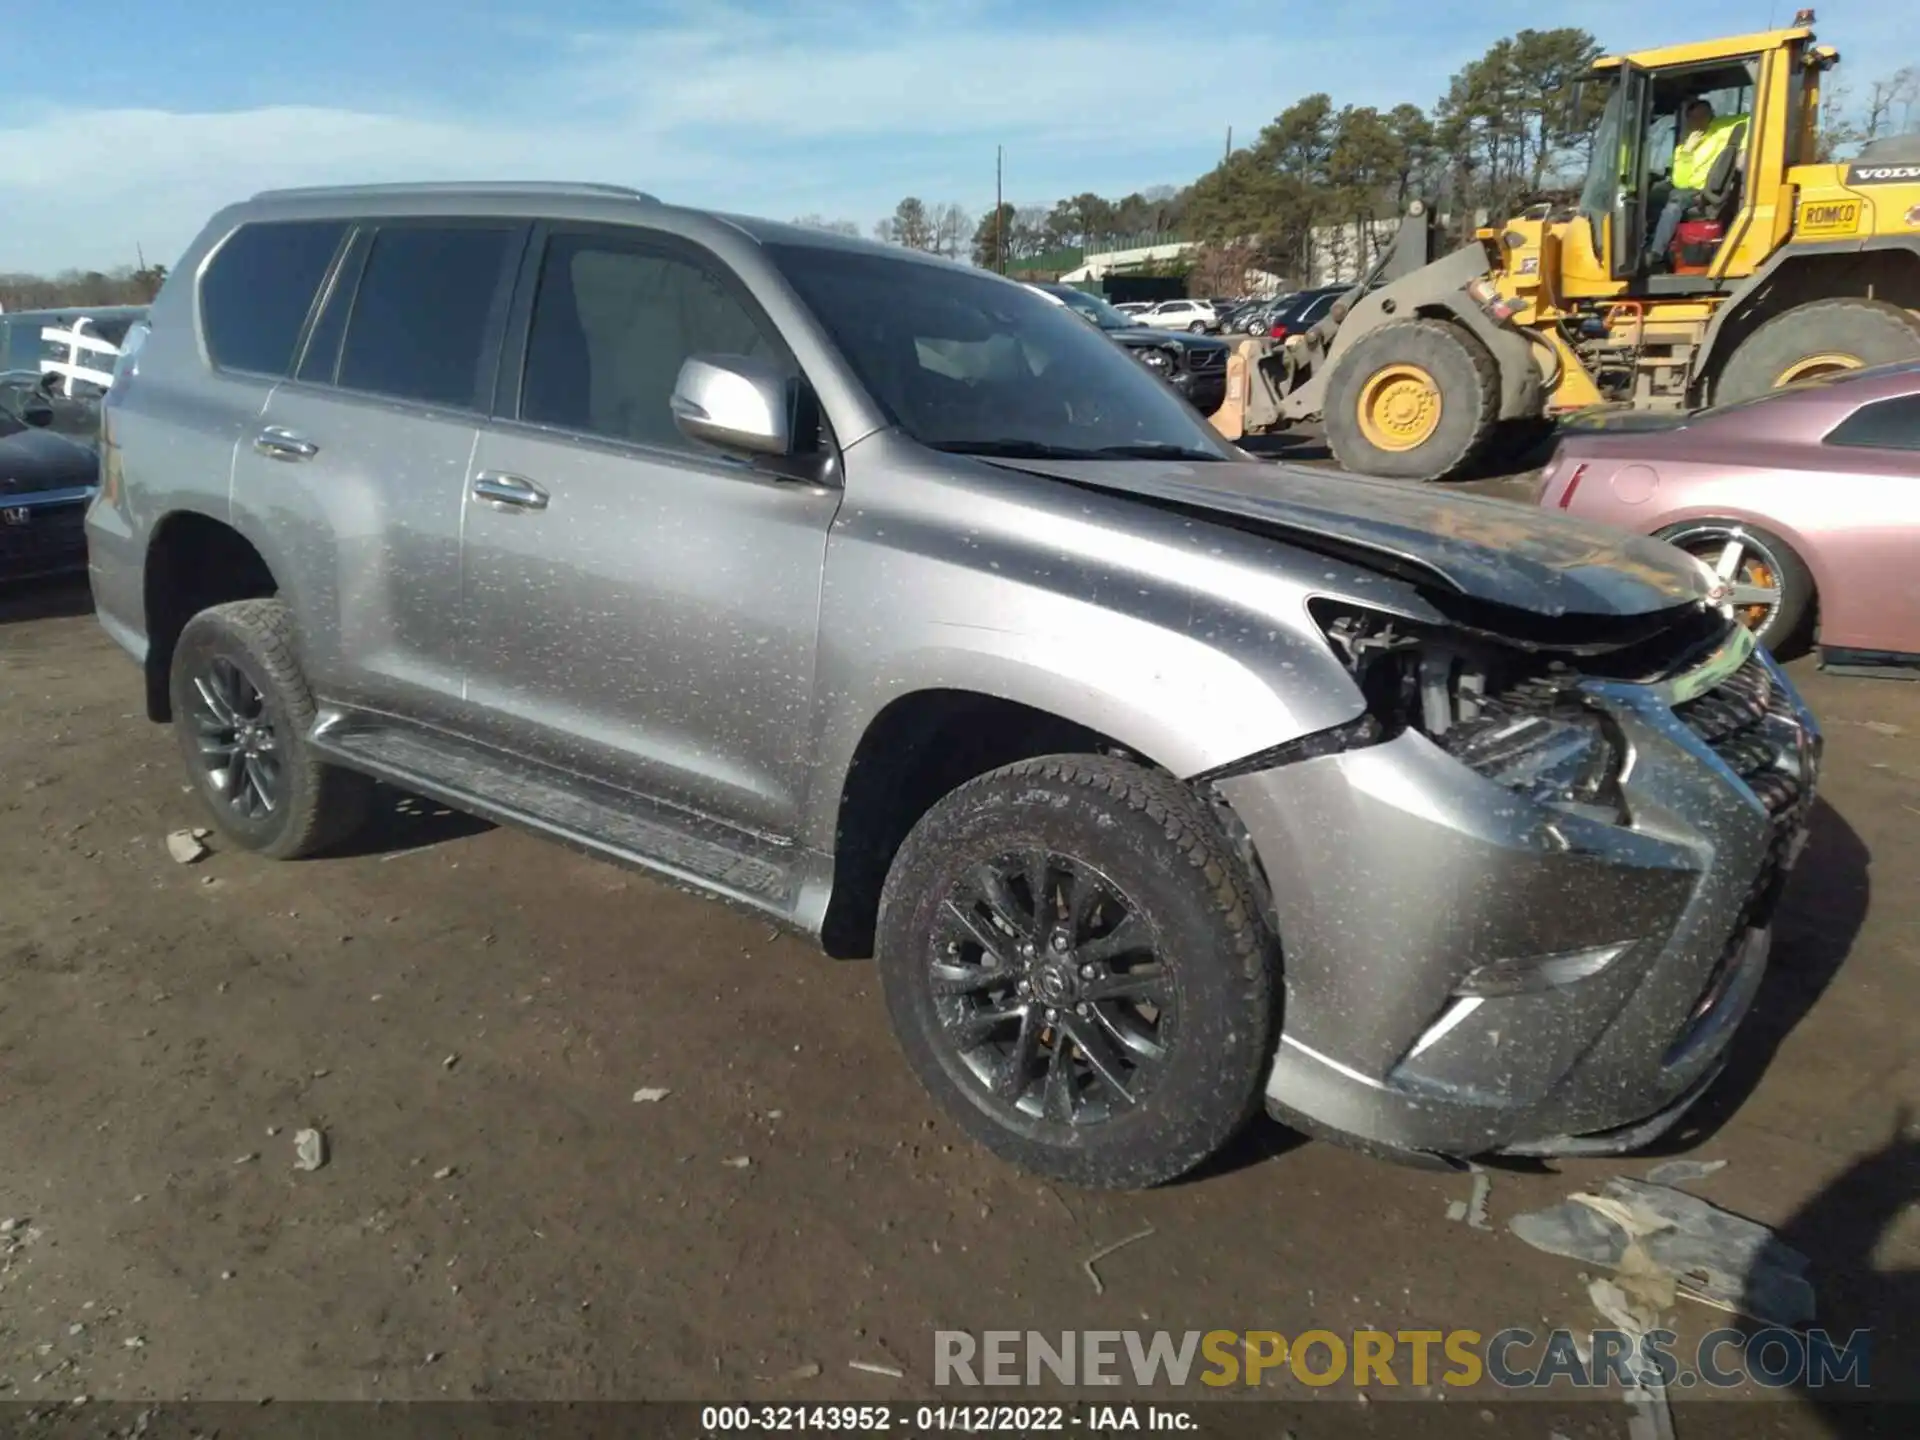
{"points": [[1415, 400], [1818, 338]]}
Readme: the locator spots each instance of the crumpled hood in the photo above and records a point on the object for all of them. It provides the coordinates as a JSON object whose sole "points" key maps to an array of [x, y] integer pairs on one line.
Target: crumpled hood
{"points": [[1490, 550]]}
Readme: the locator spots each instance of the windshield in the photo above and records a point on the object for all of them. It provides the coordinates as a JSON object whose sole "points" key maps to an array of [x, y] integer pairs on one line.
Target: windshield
{"points": [[1610, 156], [964, 361]]}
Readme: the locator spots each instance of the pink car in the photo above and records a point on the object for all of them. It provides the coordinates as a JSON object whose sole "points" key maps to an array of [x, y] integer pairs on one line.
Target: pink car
{"points": [[1806, 501]]}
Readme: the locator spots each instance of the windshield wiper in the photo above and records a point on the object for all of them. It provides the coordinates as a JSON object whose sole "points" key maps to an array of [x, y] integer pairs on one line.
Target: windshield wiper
{"points": [[1039, 450], [1153, 451], [1015, 449]]}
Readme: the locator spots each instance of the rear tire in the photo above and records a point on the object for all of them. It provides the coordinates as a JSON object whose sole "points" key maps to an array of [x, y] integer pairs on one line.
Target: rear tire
{"points": [[1147, 961], [1414, 400], [241, 711], [1822, 335]]}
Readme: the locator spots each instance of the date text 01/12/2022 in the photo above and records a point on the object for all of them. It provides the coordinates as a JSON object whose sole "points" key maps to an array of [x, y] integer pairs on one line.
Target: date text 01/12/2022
{"points": [[941, 1419]]}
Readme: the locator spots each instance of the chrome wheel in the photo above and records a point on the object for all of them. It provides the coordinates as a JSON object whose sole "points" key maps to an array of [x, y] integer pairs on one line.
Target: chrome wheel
{"points": [[1751, 571]]}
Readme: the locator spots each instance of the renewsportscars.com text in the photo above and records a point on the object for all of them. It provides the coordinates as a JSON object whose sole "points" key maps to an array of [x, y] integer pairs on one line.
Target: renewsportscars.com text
{"points": [[1515, 1358]]}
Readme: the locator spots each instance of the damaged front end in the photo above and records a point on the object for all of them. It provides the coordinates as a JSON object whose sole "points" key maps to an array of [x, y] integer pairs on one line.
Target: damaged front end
{"points": [[1524, 898]]}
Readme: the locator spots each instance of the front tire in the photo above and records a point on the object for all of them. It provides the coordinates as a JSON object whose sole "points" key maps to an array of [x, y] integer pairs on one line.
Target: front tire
{"points": [[1818, 338], [1773, 591], [1414, 400], [1198, 327], [1077, 970], [241, 711]]}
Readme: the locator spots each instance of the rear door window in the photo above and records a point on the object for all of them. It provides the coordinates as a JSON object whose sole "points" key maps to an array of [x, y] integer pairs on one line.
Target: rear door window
{"points": [[428, 312], [257, 290]]}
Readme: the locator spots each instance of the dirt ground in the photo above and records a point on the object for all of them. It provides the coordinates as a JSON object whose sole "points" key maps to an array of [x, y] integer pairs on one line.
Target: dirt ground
{"points": [[467, 1013]]}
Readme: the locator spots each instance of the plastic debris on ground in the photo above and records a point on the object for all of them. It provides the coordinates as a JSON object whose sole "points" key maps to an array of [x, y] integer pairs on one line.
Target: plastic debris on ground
{"points": [[309, 1150], [1660, 1240]]}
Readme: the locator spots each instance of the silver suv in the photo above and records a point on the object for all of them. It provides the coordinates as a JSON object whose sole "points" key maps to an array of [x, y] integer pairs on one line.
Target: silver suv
{"points": [[890, 600]]}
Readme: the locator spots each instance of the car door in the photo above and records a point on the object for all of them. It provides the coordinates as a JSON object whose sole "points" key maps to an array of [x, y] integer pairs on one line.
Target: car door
{"points": [[358, 468], [1868, 511], [640, 608]]}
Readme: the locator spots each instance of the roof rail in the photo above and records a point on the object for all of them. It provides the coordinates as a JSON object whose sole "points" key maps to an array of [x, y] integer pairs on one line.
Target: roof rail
{"points": [[462, 187]]}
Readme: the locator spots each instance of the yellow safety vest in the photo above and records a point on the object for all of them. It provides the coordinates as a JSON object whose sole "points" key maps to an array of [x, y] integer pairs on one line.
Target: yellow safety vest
{"points": [[1693, 160]]}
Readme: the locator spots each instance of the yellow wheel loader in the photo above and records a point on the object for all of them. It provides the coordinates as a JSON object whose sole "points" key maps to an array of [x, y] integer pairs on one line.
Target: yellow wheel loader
{"points": [[1780, 269]]}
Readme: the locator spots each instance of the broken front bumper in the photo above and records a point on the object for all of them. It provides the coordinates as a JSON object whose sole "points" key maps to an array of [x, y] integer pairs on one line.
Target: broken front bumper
{"points": [[1396, 871]]}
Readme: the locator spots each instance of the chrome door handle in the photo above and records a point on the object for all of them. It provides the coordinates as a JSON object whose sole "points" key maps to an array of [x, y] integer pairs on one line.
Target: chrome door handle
{"points": [[277, 442], [504, 491]]}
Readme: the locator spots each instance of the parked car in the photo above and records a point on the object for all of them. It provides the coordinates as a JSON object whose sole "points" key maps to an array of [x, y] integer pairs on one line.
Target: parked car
{"points": [[1134, 307], [1195, 365], [875, 594], [1805, 502], [1196, 316], [1301, 311], [1233, 318], [48, 474]]}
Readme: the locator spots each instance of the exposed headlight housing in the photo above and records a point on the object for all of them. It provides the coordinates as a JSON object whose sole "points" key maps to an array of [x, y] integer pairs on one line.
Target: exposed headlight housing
{"points": [[1158, 361], [1516, 720]]}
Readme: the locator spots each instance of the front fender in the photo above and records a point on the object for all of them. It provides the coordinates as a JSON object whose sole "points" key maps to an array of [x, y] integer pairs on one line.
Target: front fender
{"points": [[1186, 642]]}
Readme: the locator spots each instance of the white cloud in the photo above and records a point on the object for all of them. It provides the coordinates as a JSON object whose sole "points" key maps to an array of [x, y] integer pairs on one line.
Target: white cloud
{"points": [[824, 106]]}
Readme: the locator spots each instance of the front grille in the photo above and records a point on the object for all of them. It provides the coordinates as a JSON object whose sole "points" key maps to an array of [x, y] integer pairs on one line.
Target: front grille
{"points": [[1734, 721], [1748, 721], [1203, 361], [55, 534]]}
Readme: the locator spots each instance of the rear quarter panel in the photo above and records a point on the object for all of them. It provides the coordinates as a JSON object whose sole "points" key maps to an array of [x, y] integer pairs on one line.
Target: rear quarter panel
{"points": [[169, 430], [1837, 516]]}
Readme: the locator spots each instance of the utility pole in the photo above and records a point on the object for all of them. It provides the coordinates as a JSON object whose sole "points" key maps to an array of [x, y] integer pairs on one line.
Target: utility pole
{"points": [[1229, 154], [999, 210]]}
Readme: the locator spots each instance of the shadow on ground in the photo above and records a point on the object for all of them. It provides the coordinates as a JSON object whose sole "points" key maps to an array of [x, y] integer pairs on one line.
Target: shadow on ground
{"points": [[401, 822], [60, 599], [1841, 1230], [1819, 917]]}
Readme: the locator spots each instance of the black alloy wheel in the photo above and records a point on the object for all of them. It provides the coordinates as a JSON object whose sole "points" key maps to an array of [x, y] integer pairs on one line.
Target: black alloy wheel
{"points": [[1049, 986], [239, 753]]}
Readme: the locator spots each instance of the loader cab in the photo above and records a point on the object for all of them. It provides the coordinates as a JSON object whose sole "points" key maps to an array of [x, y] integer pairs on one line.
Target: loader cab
{"points": [[1632, 172], [1771, 81]]}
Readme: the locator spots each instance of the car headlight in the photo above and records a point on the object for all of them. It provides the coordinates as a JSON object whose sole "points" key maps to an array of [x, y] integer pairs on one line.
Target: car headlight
{"points": [[1156, 360], [1513, 718], [1570, 760]]}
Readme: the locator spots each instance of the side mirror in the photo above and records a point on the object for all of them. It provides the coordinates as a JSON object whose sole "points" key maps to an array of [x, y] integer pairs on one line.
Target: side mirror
{"points": [[734, 402]]}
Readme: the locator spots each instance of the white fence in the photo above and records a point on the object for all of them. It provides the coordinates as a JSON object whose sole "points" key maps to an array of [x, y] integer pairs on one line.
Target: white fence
{"points": [[80, 348]]}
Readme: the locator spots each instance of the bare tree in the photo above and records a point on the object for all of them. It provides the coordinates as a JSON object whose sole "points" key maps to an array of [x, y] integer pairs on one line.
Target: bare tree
{"points": [[1890, 102], [909, 225], [834, 227], [952, 230]]}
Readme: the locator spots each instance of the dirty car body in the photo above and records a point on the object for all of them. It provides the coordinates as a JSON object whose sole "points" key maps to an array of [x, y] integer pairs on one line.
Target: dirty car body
{"points": [[928, 623]]}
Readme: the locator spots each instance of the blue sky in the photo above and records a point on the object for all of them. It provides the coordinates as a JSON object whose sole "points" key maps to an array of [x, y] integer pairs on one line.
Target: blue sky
{"points": [[124, 123]]}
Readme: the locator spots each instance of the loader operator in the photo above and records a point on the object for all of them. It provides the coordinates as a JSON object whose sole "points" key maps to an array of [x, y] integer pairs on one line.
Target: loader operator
{"points": [[1705, 139]]}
